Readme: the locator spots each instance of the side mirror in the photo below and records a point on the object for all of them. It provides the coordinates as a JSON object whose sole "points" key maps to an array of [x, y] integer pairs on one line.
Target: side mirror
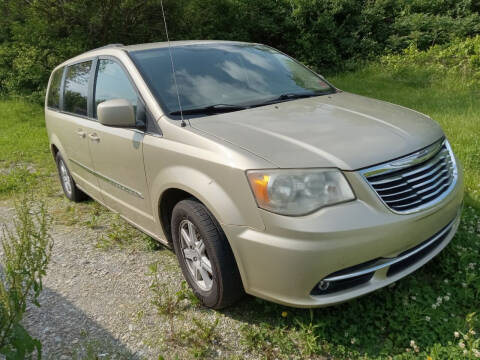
{"points": [[116, 112]]}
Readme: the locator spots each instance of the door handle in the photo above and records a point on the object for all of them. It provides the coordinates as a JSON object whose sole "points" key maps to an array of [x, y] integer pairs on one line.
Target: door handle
{"points": [[81, 133], [94, 137]]}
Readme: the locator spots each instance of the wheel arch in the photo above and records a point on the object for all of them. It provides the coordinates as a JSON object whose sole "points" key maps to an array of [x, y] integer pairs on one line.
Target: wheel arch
{"points": [[225, 204], [56, 147], [167, 202], [171, 195]]}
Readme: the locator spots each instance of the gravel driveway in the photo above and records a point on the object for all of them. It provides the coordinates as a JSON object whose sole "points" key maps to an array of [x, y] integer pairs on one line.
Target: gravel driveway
{"points": [[97, 303], [90, 297]]}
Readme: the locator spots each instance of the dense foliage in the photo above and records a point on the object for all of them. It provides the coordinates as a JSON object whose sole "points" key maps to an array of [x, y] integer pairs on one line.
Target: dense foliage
{"points": [[327, 34], [458, 61]]}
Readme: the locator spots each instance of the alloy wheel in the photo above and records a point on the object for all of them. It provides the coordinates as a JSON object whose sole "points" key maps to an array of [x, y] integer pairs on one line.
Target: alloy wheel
{"points": [[67, 184], [195, 255]]}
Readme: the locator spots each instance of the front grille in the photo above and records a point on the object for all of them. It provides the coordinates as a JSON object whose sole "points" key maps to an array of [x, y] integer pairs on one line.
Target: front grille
{"points": [[416, 181]]}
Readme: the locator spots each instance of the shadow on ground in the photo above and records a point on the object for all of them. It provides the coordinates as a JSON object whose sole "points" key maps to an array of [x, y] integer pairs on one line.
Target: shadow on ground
{"points": [[66, 332]]}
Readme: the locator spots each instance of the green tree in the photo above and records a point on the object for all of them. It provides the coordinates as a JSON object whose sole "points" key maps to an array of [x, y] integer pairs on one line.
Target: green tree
{"points": [[37, 35]]}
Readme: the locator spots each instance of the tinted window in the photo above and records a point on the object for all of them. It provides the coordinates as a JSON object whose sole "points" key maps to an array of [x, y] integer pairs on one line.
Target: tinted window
{"points": [[233, 74], [76, 88], [53, 100], [113, 83]]}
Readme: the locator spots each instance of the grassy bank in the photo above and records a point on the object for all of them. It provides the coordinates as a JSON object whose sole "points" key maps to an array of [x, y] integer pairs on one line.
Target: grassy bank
{"points": [[25, 159], [415, 318]]}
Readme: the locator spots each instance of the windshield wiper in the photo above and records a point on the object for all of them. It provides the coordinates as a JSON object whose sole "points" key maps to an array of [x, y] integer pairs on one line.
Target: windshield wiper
{"points": [[212, 109], [287, 97], [223, 108]]}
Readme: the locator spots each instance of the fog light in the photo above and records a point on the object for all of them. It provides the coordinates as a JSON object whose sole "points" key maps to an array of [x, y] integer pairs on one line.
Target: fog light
{"points": [[323, 285]]}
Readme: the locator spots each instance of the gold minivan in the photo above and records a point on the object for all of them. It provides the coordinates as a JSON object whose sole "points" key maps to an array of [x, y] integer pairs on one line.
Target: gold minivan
{"points": [[262, 176]]}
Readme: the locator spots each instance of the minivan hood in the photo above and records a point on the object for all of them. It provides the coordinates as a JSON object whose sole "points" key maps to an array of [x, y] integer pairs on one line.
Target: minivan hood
{"points": [[340, 130]]}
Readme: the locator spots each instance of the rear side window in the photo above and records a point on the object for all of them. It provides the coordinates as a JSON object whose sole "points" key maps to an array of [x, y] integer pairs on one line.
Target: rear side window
{"points": [[53, 98], [75, 97], [113, 83]]}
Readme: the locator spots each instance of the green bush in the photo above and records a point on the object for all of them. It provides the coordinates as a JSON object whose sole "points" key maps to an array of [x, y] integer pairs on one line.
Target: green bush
{"points": [[458, 62], [329, 35], [26, 253]]}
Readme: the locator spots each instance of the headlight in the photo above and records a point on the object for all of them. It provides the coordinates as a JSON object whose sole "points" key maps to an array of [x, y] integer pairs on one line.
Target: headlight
{"points": [[298, 192]]}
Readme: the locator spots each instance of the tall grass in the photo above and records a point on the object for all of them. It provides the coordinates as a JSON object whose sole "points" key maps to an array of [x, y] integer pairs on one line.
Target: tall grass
{"points": [[24, 150]]}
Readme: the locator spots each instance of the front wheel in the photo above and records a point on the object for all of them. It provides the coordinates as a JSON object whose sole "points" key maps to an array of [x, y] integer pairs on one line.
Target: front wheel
{"points": [[204, 255]]}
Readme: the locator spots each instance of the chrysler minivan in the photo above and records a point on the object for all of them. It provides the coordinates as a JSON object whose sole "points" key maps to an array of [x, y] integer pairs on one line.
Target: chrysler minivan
{"points": [[264, 178]]}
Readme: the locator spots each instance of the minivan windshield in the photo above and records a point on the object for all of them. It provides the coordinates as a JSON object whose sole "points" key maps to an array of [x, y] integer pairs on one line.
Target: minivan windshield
{"points": [[221, 77]]}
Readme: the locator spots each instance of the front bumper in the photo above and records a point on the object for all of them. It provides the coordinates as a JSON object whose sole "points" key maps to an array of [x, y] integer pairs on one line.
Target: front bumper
{"points": [[286, 262]]}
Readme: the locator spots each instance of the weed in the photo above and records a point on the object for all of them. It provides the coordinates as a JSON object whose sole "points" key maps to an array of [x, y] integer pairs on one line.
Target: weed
{"points": [[120, 233], [71, 215], [16, 179], [140, 315], [152, 244], [95, 212], [99, 350], [167, 302], [308, 335], [202, 337], [26, 253], [272, 342]]}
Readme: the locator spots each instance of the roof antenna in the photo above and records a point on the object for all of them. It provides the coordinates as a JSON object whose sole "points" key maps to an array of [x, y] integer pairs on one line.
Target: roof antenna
{"points": [[183, 124]]}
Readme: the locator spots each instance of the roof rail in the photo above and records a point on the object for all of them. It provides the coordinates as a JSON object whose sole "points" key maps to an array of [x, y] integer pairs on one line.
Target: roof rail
{"points": [[107, 46]]}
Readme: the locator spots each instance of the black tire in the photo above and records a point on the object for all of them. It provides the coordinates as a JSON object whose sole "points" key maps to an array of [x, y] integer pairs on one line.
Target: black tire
{"points": [[71, 191], [227, 285]]}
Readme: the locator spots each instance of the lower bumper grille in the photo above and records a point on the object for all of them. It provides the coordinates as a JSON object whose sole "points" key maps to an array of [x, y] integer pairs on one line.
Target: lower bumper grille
{"points": [[339, 285], [415, 257], [357, 275]]}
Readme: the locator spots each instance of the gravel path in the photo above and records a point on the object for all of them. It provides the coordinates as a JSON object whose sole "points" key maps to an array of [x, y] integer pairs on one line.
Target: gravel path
{"points": [[97, 304], [93, 299]]}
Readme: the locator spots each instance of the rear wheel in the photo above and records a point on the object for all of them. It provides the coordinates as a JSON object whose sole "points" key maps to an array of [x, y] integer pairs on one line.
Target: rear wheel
{"points": [[204, 255], [70, 189]]}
